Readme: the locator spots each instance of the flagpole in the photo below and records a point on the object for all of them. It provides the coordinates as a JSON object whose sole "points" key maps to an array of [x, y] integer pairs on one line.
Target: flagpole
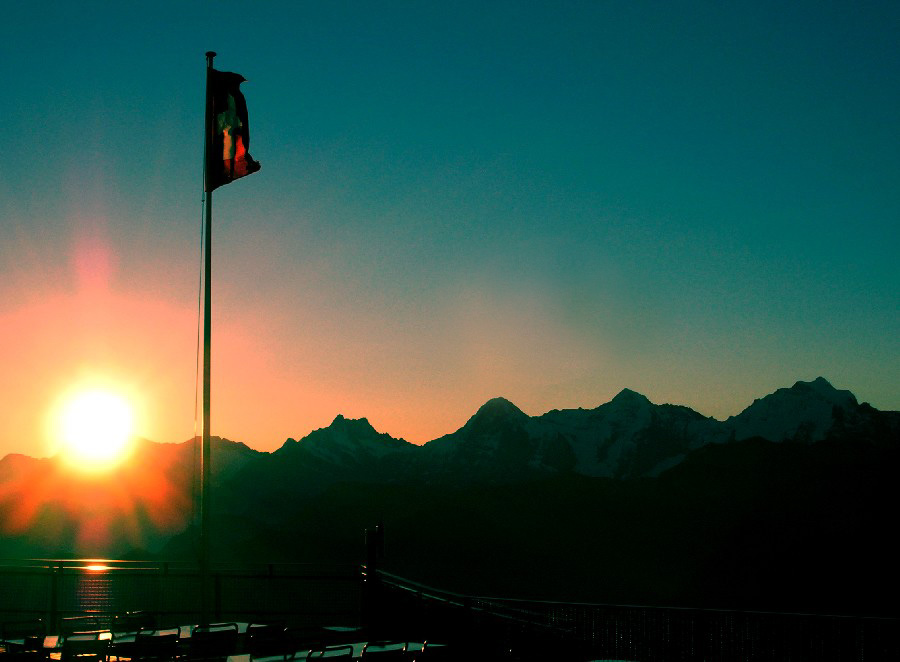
{"points": [[205, 503]]}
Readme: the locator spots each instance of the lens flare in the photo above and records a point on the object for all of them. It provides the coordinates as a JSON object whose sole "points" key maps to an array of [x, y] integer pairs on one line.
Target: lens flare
{"points": [[95, 428]]}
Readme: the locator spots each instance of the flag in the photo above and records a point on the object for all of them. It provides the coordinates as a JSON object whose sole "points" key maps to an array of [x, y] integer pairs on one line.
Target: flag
{"points": [[228, 131]]}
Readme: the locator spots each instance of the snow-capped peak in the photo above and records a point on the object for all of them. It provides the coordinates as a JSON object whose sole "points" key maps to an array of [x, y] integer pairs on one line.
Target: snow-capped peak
{"points": [[803, 412], [349, 439]]}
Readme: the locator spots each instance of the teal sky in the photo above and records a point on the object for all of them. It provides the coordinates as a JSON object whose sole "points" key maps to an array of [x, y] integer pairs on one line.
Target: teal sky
{"points": [[545, 201]]}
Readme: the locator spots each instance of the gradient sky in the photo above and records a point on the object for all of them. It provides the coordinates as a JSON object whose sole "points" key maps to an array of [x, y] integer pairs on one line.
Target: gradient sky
{"points": [[541, 200]]}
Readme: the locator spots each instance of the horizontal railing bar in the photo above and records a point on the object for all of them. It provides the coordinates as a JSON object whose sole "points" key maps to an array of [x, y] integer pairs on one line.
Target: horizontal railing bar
{"points": [[408, 584]]}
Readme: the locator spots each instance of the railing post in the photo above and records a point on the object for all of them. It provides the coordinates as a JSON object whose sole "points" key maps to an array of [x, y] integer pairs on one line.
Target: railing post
{"points": [[372, 615], [159, 602], [217, 598], [53, 620], [51, 598], [468, 624]]}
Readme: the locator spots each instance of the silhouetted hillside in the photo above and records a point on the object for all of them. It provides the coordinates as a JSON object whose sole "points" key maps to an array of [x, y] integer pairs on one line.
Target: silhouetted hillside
{"points": [[752, 524], [506, 505], [47, 509]]}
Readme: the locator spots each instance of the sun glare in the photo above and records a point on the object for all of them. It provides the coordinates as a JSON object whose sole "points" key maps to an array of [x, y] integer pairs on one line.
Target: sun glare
{"points": [[95, 428]]}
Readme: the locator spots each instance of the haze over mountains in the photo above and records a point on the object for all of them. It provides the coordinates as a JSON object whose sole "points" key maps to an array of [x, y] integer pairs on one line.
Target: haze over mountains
{"points": [[786, 504]]}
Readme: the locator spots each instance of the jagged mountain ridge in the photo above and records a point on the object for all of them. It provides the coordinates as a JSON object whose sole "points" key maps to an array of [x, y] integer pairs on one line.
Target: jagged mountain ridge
{"points": [[624, 438], [803, 412], [347, 442], [311, 498]]}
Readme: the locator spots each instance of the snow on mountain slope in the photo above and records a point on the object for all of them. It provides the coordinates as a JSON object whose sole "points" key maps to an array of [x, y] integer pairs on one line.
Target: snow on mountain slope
{"points": [[349, 441], [493, 444], [627, 437], [803, 412], [630, 435], [483, 432]]}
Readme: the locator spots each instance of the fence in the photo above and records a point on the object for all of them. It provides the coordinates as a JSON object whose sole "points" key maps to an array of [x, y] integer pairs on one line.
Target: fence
{"points": [[394, 607], [297, 594], [552, 630]]}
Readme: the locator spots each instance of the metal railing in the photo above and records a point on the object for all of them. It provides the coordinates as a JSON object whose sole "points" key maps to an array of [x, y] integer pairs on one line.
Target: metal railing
{"points": [[526, 629], [296, 594], [390, 606]]}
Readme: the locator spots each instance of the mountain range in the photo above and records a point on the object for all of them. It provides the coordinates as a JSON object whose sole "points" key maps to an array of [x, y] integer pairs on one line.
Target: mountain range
{"points": [[630, 501], [628, 437]]}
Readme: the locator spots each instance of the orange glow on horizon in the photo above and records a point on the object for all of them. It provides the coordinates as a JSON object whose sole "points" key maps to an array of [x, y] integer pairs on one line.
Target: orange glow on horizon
{"points": [[127, 502]]}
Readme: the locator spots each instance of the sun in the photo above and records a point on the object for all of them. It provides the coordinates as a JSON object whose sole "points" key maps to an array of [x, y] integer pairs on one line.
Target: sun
{"points": [[95, 428]]}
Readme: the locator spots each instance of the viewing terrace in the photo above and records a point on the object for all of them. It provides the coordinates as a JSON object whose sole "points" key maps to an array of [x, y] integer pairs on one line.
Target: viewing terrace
{"points": [[342, 607]]}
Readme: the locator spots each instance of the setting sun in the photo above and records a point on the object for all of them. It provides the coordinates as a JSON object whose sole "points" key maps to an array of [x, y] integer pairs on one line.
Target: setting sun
{"points": [[95, 428]]}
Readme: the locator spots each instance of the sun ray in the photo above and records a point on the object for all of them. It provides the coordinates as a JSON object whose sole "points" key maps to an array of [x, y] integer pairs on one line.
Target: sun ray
{"points": [[95, 428]]}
